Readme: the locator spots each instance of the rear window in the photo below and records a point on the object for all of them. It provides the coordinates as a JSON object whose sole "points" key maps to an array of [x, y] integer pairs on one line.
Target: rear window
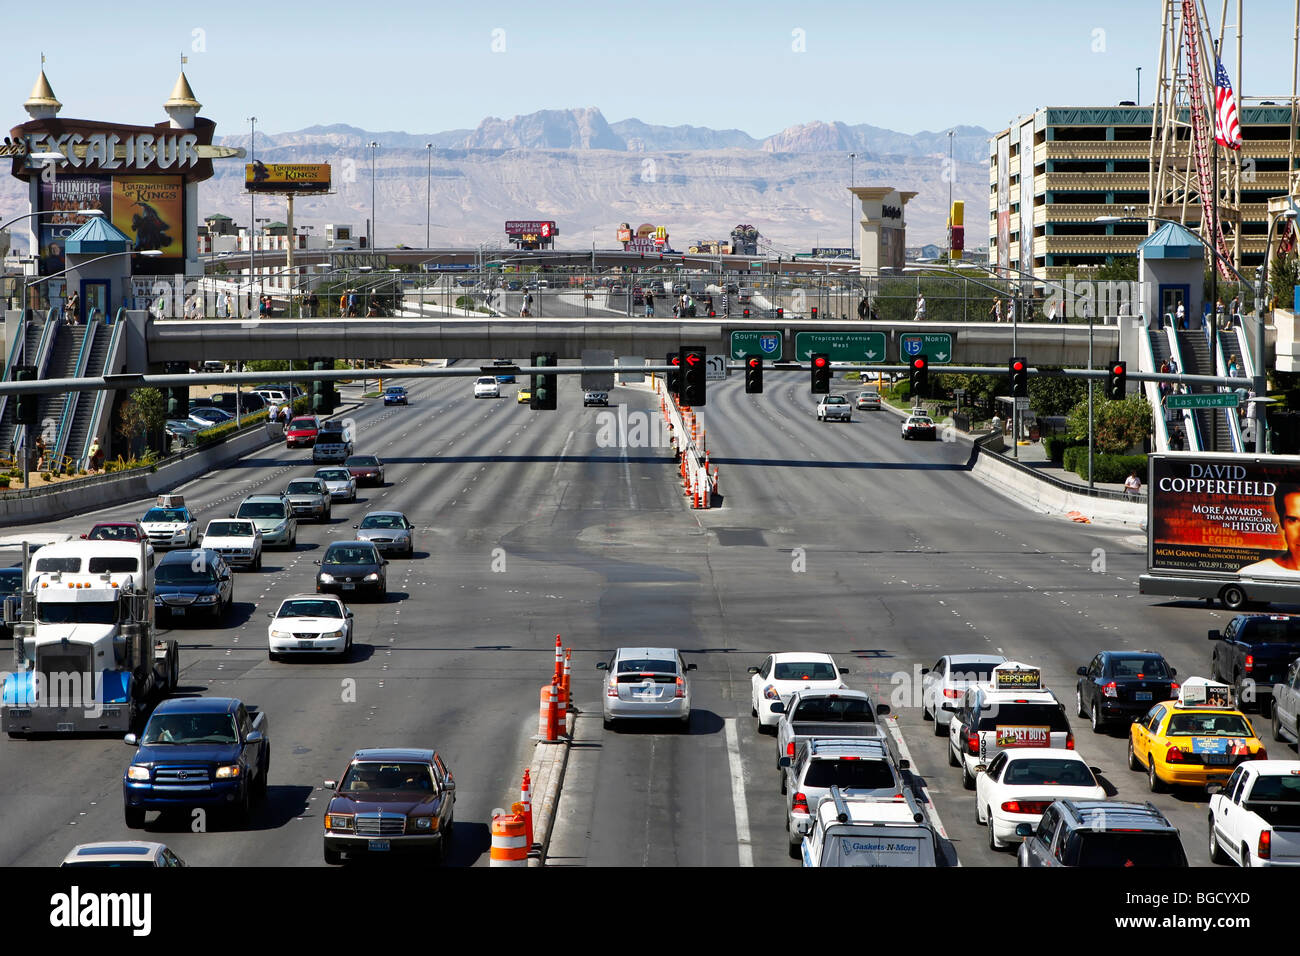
{"points": [[1152, 668], [1044, 772], [1277, 789], [828, 710], [1051, 716], [1106, 848], [974, 671], [1261, 630], [856, 774], [1208, 725], [649, 665], [795, 670]]}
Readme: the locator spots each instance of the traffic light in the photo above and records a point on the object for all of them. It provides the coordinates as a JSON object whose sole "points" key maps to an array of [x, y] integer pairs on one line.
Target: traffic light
{"points": [[543, 396], [674, 378], [693, 359], [814, 313], [753, 375], [780, 313], [1018, 369], [746, 314], [821, 373], [320, 389], [920, 375], [177, 396], [1116, 380], [27, 409]]}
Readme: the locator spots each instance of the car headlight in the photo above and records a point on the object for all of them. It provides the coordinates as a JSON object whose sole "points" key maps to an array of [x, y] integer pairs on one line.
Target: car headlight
{"points": [[137, 772], [422, 823], [326, 578], [281, 635], [228, 771], [338, 821], [372, 577], [206, 599], [341, 632], [158, 601], [769, 693]]}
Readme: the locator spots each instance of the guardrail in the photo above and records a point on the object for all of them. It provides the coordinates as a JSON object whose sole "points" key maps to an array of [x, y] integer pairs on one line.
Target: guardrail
{"points": [[980, 448], [698, 484]]}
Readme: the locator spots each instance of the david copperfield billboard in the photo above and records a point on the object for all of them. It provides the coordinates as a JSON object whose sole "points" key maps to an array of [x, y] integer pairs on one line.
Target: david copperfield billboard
{"points": [[1225, 515]]}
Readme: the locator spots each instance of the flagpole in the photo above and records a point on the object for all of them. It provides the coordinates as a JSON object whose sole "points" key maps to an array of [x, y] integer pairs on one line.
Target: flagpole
{"points": [[1214, 226]]}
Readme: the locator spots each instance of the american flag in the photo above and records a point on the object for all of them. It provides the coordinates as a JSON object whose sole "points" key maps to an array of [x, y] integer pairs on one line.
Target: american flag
{"points": [[1226, 130]]}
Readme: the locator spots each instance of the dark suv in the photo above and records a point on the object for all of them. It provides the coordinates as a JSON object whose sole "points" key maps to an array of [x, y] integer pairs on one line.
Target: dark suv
{"points": [[1101, 833], [1122, 685]]}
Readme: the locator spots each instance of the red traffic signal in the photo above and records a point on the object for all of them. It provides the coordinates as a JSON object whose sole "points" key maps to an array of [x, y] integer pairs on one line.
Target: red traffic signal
{"points": [[820, 361], [1017, 366], [755, 363], [918, 363]]}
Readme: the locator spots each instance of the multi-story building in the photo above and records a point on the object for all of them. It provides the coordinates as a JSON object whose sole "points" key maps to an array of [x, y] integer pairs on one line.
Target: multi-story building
{"points": [[1054, 172]]}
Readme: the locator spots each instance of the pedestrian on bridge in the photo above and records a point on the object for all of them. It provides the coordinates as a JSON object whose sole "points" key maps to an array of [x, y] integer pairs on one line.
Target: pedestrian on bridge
{"points": [[920, 308], [996, 310], [864, 309], [649, 303], [1132, 484]]}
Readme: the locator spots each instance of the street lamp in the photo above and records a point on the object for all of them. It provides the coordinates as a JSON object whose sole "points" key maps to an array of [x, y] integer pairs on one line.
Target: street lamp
{"points": [[428, 197], [252, 199], [373, 147], [853, 161]]}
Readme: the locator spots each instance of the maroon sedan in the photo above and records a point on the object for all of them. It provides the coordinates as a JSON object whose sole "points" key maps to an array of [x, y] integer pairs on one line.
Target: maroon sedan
{"points": [[366, 469], [388, 801], [116, 531]]}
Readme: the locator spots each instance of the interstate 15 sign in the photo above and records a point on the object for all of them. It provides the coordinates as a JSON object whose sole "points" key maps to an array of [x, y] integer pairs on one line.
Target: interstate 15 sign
{"points": [[863, 347], [936, 346], [765, 343]]}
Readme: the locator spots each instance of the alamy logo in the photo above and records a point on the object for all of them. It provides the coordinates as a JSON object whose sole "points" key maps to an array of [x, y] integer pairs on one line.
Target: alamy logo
{"points": [[56, 689], [624, 429], [75, 909]]}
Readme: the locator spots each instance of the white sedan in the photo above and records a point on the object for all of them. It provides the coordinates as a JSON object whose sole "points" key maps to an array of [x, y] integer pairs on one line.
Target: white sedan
{"points": [[1020, 784], [943, 686], [487, 387], [310, 624], [783, 673]]}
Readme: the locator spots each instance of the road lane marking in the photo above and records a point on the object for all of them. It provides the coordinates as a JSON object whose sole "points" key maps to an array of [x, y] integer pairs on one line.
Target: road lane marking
{"points": [[905, 754], [738, 795]]}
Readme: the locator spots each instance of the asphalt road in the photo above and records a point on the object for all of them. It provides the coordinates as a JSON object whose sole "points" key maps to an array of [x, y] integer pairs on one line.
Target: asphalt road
{"points": [[833, 537]]}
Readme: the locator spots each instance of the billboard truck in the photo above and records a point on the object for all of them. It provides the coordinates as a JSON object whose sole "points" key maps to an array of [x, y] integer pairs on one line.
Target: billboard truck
{"points": [[1223, 526]]}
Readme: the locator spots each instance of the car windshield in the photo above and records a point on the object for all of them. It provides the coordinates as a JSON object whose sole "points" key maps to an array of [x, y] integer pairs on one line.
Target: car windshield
{"points": [[183, 572], [835, 400], [362, 460], [833, 709], [310, 609], [114, 532], [1051, 716], [303, 488], [388, 777], [1104, 848], [396, 390], [1049, 773], [383, 521], [165, 514], [92, 612], [333, 474], [647, 665], [113, 864], [1152, 668], [11, 580], [102, 565], [798, 670], [230, 529], [1208, 725], [190, 729], [261, 509], [855, 774], [302, 424], [346, 554]]}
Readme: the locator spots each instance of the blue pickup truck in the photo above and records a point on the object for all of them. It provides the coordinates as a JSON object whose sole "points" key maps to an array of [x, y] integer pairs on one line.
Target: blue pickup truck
{"points": [[195, 752]]}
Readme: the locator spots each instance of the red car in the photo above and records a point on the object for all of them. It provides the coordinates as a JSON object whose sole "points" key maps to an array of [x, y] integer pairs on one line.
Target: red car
{"points": [[116, 531], [366, 469], [301, 432]]}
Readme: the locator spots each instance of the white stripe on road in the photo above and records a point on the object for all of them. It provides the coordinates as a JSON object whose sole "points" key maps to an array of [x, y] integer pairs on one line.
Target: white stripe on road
{"points": [[905, 754], [738, 795]]}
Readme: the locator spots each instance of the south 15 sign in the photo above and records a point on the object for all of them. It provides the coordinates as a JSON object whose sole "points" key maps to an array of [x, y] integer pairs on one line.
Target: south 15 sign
{"points": [[111, 151]]}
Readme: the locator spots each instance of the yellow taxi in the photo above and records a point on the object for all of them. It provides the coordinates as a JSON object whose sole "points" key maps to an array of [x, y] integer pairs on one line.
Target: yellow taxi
{"points": [[1199, 738], [524, 396]]}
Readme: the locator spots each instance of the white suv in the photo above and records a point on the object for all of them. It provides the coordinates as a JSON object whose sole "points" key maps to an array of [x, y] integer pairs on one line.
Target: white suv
{"points": [[487, 387], [858, 767]]}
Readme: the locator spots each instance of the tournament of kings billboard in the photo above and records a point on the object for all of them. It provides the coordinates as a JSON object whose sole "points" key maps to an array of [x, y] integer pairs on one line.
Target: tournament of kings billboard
{"points": [[150, 210], [1226, 516]]}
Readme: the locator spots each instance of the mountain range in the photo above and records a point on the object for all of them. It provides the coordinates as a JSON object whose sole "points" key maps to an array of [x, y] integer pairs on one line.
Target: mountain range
{"points": [[587, 174]]}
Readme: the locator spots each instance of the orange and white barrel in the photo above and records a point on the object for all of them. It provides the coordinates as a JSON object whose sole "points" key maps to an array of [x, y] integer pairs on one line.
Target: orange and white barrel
{"points": [[509, 839]]}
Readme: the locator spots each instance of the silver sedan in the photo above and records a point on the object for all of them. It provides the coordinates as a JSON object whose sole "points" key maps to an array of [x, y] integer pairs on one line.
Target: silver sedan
{"points": [[389, 531], [647, 683]]}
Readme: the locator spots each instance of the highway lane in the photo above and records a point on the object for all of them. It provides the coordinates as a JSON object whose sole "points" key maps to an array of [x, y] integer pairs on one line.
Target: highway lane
{"points": [[453, 634]]}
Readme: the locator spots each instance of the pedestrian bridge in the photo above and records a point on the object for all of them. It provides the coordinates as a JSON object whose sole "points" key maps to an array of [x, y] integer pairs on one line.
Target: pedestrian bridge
{"points": [[154, 342]]}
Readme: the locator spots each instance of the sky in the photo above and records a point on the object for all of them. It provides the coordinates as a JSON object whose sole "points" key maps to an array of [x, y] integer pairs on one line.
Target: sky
{"points": [[756, 65]]}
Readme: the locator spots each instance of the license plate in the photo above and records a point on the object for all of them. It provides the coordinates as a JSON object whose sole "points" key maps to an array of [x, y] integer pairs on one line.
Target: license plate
{"points": [[1142, 695], [63, 728], [306, 645], [1216, 760], [348, 586], [377, 844], [178, 610]]}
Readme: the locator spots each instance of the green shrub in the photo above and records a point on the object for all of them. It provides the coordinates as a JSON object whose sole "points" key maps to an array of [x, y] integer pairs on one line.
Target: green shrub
{"points": [[1056, 446], [1105, 468]]}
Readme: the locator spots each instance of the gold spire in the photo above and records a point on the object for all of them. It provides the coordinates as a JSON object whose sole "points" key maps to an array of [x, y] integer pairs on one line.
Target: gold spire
{"points": [[182, 95], [42, 95]]}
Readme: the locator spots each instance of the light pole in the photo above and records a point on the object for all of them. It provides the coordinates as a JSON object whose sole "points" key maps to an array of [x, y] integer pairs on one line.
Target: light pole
{"points": [[373, 147], [853, 161], [252, 200], [951, 177], [428, 197]]}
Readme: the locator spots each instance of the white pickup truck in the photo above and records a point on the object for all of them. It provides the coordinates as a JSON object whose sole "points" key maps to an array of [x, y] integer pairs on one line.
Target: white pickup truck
{"points": [[1255, 817], [835, 407], [869, 831]]}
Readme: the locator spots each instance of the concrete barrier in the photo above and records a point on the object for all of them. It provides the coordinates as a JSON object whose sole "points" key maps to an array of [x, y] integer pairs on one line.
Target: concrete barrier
{"points": [[68, 499], [1048, 498]]}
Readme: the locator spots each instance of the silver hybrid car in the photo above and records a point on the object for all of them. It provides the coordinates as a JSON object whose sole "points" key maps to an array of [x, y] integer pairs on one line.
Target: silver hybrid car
{"points": [[389, 531], [647, 683]]}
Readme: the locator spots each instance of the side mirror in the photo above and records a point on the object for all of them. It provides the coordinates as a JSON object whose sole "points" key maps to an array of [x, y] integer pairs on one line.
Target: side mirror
{"points": [[690, 667], [778, 707], [924, 671], [1081, 671], [1216, 635], [356, 526], [1095, 770], [602, 666], [904, 764], [131, 740], [385, 560], [882, 710], [333, 784], [1212, 788], [783, 762], [270, 615], [254, 737], [83, 537], [845, 670], [1173, 672], [317, 563], [1024, 829], [347, 614], [752, 670], [231, 515]]}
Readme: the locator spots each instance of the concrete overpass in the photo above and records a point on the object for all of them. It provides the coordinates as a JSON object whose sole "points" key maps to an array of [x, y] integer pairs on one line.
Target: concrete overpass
{"points": [[155, 342]]}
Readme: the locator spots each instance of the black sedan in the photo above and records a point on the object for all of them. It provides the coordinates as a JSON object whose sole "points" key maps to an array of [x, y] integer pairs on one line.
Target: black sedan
{"points": [[352, 567], [1123, 685]]}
